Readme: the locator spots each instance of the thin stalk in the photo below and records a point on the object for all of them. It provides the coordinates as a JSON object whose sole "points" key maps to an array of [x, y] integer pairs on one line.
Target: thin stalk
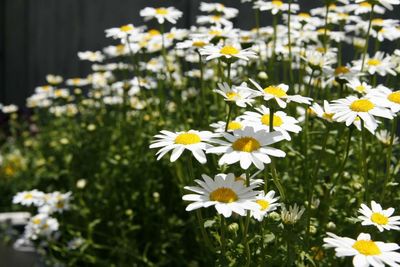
{"points": [[371, 17], [246, 227], [228, 118], [326, 28], [344, 160], [389, 157], [223, 239], [364, 160], [290, 45]]}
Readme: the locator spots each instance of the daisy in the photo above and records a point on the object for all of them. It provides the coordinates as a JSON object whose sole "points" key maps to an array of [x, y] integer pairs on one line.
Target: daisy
{"points": [[236, 124], [96, 56], [223, 192], [162, 14], [194, 141], [358, 86], [386, 3], [377, 64], [278, 93], [29, 198], [293, 215], [9, 109], [387, 98], [215, 20], [227, 52], [266, 203], [379, 217], [318, 60], [41, 225], [363, 7], [240, 95], [275, 6], [366, 252], [228, 12], [350, 108], [384, 136], [325, 112], [121, 32], [54, 79], [281, 122], [248, 146]]}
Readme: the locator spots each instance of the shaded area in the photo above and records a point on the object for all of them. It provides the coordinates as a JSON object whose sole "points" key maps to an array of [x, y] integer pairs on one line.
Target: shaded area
{"points": [[11, 258]]}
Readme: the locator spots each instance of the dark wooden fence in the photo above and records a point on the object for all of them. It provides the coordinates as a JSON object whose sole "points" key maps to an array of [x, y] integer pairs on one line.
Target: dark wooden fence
{"points": [[43, 36]]}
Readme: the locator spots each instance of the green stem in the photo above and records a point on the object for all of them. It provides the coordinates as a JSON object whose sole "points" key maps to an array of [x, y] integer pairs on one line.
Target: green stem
{"points": [[371, 17], [290, 45], [246, 227], [389, 157], [223, 239], [364, 160], [326, 28], [228, 118]]}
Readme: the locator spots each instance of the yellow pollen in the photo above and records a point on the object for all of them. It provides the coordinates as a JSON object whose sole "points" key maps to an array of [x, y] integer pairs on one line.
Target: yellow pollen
{"points": [[46, 88], [246, 144], [360, 88], [215, 32], [224, 195], [216, 18], [361, 105], [277, 3], [36, 221], [58, 93], [161, 11], [275, 91], [276, 123], [120, 48], [234, 125], [154, 32], [321, 50], [198, 44], [126, 28], [322, 31], [332, 6], [304, 15], [341, 70], [367, 247], [374, 62], [379, 218], [229, 50], [377, 21], [328, 116], [394, 97], [232, 95], [365, 4], [28, 196], [187, 139], [263, 204]]}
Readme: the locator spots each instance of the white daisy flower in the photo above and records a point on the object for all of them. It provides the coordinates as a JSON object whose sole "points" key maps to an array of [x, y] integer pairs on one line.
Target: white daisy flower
{"points": [[275, 6], [223, 192], [194, 141], [248, 146], [366, 252], [266, 204], [279, 94], [281, 122], [325, 112], [387, 98], [293, 215], [379, 217], [217, 20], [319, 60], [162, 14], [386, 3], [95, 56], [236, 124], [360, 87], [9, 108], [41, 225], [364, 7], [121, 32], [240, 95], [228, 12], [227, 52], [54, 79], [377, 64], [384, 136], [348, 109], [29, 198]]}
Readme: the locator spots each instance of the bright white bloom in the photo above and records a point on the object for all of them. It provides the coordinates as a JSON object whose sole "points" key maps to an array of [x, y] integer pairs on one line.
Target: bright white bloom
{"points": [[9, 109], [266, 204], [95, 56], [360, 87], [223, 192], [350, 108], [194, 141], [386, 3], [240, 95], [281, 122], [377, 64], [55, 202], [318, 60], [214, 20], [275, 6], [228, 12], [384, 136], [325, 112], [387, 98], [379, 217], [41, 225], [122, 32], [162, 14], [227, 52], [233, 125], [248, 146], [293, 215], [366, 252], [54, 79], [29, 198], [279, 94]]}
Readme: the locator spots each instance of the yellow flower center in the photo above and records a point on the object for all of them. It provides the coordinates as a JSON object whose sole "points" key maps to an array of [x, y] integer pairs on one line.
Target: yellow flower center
{"points": [[394, 97], [224, 195], [332, 6], [361, 105], [328, 116], [365, 4], [216, 18], [277, 3], [321, 50], [161, 11], [36, 221], [232, 95], [379, 218], [377, 21], [28, 196], [234, 125], [360, 88], [263, 204], [275, 91], [341, 70], [120, 48], [187, 139], [126, 28], [154, 32], [367, 247], [304, 15], [374, 62], [215, 32], [246, 144], [229, 50], [198, 44], [276, 123]]}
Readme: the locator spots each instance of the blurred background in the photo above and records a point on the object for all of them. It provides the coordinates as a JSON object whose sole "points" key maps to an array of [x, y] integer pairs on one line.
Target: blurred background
{"points": [[44, 36]]}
